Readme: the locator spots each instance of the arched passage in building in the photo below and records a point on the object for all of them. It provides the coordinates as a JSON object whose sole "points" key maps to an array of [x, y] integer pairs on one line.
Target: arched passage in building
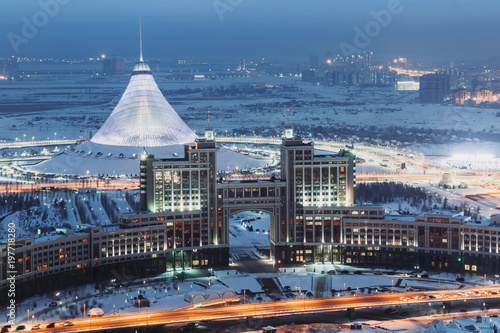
{"points": [[257, 196], [249, 235], [249, 240]]}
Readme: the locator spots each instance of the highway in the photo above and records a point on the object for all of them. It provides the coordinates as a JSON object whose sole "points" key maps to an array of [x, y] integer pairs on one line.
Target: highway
{"points": [[266, 309]]}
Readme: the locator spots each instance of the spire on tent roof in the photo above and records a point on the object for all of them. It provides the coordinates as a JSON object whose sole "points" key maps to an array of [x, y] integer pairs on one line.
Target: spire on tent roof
{"points": [[140, 38]]}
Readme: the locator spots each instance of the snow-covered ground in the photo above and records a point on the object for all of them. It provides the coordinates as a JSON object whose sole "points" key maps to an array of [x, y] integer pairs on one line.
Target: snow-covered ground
{"points": [[57, 106], [46, 213]]}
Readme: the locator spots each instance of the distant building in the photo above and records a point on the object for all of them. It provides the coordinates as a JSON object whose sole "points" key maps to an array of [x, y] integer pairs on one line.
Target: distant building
{"points": [[434, 87], [407, 85], [467, 97], [114, 66], [399, 62], [311, 75], [483, 95], [459, 79], [461, 95], [314, 61], [368, 59]]}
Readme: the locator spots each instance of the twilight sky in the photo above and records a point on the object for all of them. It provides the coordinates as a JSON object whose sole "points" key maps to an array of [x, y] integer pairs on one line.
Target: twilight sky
{"points": [[437, 30]]}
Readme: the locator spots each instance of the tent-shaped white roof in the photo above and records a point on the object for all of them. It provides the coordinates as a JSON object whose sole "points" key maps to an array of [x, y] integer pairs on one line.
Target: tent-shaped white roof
{"points": [[143, 117]]}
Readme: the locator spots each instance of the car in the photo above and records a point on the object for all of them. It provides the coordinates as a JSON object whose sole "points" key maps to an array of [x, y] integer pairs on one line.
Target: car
{"points": [[68, 323], [20, 328], [53, 304], [6, 329], [36, 327], [51, 325]]}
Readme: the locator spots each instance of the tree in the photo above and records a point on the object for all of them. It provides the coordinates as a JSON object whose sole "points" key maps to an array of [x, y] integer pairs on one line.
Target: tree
{"points": [[445, 203]]}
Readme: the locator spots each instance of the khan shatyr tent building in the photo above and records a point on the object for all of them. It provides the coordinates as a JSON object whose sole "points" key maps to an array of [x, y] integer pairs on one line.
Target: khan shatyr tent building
{"points": [[142, 120]]}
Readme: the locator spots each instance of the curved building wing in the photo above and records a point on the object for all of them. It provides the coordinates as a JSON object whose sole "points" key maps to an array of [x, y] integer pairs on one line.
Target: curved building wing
{"points": [[143, 117]]}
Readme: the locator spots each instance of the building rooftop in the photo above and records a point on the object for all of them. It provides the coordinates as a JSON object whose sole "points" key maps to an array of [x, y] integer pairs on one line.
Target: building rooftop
{"points": [[400, 217], [143, 117], [456, 214]]}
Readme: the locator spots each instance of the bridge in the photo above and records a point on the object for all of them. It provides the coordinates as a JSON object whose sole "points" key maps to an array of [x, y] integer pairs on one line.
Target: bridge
{"points": [[197, 312]]}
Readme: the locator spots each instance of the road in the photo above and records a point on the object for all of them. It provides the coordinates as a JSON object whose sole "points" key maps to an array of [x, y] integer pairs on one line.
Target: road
{"points": [[192, 314]]}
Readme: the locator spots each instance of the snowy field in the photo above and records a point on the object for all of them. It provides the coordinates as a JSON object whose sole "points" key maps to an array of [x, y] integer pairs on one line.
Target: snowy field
{"points": [[42, 107], [47, 213]]}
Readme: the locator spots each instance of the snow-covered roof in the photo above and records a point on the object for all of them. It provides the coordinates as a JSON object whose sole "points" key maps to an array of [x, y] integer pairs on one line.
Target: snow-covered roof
{"points": [[400, 217], [95, 159], [454, 213], [143, 117]]}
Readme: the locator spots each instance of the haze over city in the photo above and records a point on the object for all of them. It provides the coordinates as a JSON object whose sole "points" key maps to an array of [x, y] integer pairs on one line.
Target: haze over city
{"points": [[447, 30]]}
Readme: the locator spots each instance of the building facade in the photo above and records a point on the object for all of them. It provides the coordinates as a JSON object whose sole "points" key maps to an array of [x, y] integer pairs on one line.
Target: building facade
{"points": [[185, 224], [433, 88]]}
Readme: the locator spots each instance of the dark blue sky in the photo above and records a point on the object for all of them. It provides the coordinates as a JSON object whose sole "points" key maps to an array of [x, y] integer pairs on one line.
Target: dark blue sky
{"points": [[422, 29]]}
